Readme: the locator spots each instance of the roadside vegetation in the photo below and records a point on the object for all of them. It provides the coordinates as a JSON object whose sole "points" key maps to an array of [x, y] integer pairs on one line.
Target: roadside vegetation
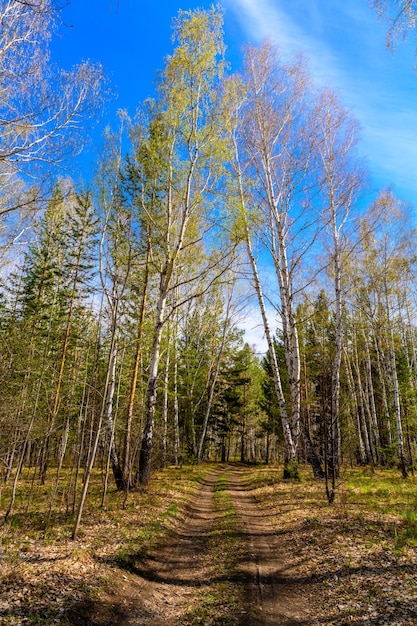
{"points": [[358, 556]]}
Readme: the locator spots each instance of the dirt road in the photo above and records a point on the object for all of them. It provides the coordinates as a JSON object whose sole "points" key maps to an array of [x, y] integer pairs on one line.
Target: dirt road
{"points": [[243, 548], [268, 571], [222, 565]]}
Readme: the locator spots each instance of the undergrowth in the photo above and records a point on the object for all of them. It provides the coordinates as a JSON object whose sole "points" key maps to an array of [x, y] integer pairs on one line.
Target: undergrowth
{"points": [[373, 519], [44, 574]]}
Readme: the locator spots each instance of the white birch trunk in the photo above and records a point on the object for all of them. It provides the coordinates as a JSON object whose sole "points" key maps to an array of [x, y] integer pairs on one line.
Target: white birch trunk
{"points": [[335, 433], [376, 438], [395, 390], [290, 441], [363, 426], [145, 456], [290, 444], [352, 393], [382, 379], [165, 399]]}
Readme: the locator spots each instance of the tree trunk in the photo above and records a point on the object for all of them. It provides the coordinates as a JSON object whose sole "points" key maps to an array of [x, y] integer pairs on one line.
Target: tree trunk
{"points": [[290, 463], [177, 445], [135, 371], [165, 400], [376, 439], [352, 393], [397, 403], [145, 456], [108, 418]]}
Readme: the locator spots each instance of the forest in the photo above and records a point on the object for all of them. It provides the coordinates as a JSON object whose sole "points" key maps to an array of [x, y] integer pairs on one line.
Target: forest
{"points": [[121, 345], [155, 467]]}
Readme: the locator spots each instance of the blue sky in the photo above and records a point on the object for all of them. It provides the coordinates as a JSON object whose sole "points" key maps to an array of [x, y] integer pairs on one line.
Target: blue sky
{"points": [[344, 42]]}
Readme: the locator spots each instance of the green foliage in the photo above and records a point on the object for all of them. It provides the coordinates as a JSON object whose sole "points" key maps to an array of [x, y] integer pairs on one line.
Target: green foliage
{"points": [[237, 405], [269, 402], [168, 219]]}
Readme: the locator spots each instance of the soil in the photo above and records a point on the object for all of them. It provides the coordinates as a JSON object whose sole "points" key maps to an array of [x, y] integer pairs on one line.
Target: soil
{"points": [[270, 574], [246, 549], [174, 579]]}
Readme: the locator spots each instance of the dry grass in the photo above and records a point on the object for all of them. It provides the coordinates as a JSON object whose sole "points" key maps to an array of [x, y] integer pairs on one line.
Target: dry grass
{"points": [[44, 574], [356, 560]]}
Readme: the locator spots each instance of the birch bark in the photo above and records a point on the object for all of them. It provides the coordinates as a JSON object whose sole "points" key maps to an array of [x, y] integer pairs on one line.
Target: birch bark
{"points": [[189, 157]]}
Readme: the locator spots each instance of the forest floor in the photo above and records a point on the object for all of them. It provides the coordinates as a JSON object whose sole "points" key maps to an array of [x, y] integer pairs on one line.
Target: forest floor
{"points": [[220, 545]]}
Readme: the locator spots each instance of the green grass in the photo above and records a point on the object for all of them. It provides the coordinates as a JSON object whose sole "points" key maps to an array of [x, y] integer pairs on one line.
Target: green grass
{"points": [[386, 503], [380, 505]]}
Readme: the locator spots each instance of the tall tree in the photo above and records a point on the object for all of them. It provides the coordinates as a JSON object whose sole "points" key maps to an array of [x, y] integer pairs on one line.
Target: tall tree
{"points": [[77, 268], [36, 320], [246, 223], [277, 138], [340, 182], [185, 142], [386, 268]]}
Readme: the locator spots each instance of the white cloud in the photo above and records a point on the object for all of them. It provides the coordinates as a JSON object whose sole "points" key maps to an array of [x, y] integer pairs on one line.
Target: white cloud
{"points": [[265, 19], [254, 331], [345, 45]]}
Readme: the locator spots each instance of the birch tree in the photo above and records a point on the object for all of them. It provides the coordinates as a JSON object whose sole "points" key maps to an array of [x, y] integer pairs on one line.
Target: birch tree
{"points": [[340, 182], [278, 136], [246, 222], [388, 261], [186, 148], [40, 105], [400, 16]]}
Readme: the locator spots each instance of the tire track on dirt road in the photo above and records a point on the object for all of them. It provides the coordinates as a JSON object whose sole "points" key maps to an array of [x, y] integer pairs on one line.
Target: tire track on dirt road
{"points": [[173, 573], [265, 566], [223, 564], [263, 579]]}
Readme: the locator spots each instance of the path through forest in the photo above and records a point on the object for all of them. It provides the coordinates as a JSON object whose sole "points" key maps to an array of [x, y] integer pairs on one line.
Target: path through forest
{"points": [[222, 565], [268, 570], [242, 548]]}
